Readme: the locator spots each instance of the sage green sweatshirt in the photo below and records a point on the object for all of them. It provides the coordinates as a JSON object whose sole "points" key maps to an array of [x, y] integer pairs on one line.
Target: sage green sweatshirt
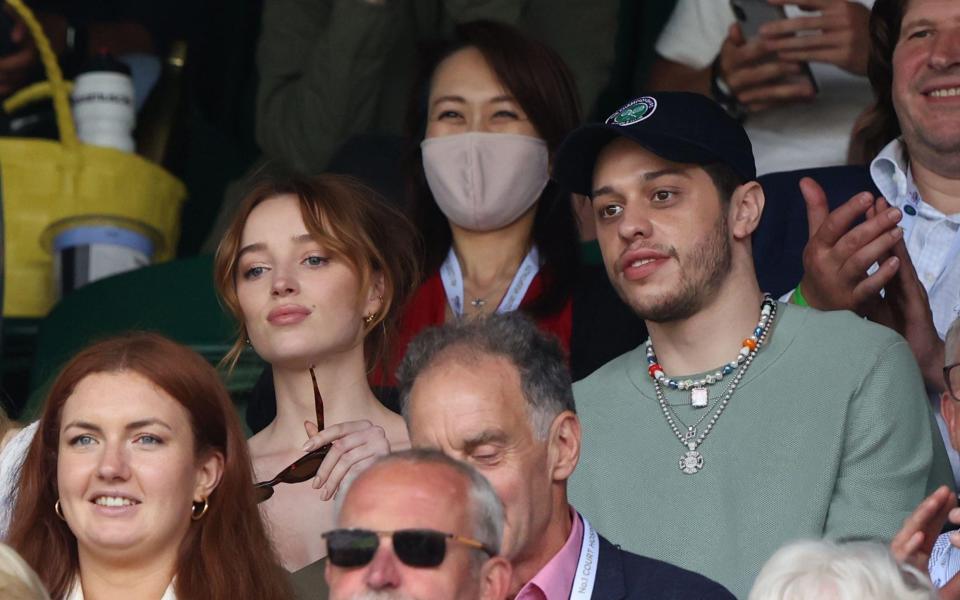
{"points": [[828, 434]]}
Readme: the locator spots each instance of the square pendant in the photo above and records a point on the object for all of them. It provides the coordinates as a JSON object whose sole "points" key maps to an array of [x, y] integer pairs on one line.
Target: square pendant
{"points": [[698, 397]]}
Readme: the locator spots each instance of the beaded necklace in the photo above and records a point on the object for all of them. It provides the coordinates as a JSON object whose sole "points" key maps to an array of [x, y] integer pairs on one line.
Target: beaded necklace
{"points": [[692, 460], [698, 388]]}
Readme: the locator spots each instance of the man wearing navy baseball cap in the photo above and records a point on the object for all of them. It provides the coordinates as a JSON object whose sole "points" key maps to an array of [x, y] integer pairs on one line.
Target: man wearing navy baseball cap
{"points": [[743, 422]]}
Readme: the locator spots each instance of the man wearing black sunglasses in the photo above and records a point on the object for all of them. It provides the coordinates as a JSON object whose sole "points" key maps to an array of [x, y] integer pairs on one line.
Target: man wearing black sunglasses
{"points": [[417, 525], [496, 393]]}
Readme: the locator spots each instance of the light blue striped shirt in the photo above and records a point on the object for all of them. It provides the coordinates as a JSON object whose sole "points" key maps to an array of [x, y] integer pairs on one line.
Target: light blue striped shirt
{"points": [[944, 561]]}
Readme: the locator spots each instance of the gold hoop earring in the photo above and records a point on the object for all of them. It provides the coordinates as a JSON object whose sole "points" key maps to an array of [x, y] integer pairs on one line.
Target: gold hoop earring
{"points": [[58, 510], [196, 516]]}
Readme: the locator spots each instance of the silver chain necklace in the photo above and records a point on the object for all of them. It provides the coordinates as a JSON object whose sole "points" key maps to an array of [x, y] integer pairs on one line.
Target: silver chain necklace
{"points": [[692, 460]]}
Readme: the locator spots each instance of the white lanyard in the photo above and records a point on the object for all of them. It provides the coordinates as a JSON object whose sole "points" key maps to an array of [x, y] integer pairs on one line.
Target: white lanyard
{"points": [[912, 198], [452, 279], [587, 565]]}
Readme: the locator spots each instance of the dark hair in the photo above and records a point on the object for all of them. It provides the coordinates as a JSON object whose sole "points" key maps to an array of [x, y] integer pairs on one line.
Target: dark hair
{"points": [[543, 85], [226, 555], [725, 179], [879, 125], [353, 222], [537, 356]]}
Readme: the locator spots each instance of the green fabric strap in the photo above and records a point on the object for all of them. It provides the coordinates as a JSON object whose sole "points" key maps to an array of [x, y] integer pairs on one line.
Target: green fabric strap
{"points": [[797, 297]]}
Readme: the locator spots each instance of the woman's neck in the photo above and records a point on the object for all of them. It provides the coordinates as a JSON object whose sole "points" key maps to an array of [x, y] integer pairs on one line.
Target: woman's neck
{"points": [[488, 256], [106, 580], [343, 387]]}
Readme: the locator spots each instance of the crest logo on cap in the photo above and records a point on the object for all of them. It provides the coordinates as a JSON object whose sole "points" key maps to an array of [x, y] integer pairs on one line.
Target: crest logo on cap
{"points": [[634, 112]]}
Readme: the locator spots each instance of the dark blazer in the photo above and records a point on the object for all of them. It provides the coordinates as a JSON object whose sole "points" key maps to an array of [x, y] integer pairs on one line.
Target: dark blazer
{"points": [[622, 575]]}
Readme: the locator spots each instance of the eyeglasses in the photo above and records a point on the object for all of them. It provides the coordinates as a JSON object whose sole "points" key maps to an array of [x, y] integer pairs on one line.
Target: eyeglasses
{"points": [[951, 376], [304, 467], [414, 547]]}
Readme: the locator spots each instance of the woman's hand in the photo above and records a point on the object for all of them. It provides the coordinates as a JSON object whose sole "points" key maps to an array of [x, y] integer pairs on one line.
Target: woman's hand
{"points": [[354, 445]]}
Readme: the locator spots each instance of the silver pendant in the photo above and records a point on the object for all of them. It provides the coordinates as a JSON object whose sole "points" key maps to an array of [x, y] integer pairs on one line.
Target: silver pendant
{"points": [[478, 303], [691, 462], [698, 397]]}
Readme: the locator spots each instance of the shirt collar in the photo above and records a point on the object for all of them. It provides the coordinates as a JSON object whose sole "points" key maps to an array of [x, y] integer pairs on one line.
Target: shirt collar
{"points": [[76, 592], [555, 579], [890, 172], [892, 175]]}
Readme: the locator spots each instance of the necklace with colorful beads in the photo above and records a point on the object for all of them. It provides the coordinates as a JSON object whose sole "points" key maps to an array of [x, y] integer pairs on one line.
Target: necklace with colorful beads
{"points": [[699, 398]]}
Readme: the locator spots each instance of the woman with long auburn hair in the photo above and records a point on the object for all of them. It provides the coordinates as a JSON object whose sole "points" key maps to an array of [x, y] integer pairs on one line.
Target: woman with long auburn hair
{"points": [[138, 482], [315, 270]]}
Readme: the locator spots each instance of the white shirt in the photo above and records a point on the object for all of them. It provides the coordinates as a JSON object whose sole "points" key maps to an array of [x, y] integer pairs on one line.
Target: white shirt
{"points": [[797, 136], [76, 592], [931, 235], [933, 240]]}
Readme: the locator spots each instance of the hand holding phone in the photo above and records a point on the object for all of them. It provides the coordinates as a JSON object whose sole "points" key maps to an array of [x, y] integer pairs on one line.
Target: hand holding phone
{"points": [[769, 79], [839, 35], [757, 80]]}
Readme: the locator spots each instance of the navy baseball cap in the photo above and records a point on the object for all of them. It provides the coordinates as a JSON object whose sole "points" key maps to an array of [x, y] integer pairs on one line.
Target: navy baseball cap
{"points": [[681, 127]]}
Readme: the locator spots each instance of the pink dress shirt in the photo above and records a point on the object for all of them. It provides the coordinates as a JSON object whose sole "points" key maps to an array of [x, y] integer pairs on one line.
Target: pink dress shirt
{"points": [[555, 580]]}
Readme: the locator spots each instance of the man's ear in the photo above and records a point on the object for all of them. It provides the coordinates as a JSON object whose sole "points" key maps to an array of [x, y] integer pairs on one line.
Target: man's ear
{"points": [[564, 445], [951, 415], [495, 579], [746, 208], [209, 472]]}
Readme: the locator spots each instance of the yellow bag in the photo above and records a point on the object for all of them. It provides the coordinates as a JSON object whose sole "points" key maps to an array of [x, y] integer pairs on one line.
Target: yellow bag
{"points": [[47, 182]]}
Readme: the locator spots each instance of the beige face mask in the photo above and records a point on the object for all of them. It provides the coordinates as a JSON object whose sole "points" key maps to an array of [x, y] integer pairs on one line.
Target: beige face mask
{"points": [[485, 181]]}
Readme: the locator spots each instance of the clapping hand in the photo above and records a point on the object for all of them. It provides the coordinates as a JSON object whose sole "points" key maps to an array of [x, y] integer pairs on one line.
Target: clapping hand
{"points": [[905, 308], [838, 254], [914, 542]]}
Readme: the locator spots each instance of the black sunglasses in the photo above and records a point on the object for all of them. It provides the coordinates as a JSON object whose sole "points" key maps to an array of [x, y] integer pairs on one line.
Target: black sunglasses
{"points": [[414, 547], [304, 467]]}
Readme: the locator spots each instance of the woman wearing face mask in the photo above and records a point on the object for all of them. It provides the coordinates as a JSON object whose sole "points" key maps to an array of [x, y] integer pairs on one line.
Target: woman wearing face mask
{"points": [[500, 236], [137, 483], [315, 271]]}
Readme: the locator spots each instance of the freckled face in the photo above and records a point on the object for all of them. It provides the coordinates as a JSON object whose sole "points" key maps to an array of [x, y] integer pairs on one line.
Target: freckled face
{"points": [[300, 302]]}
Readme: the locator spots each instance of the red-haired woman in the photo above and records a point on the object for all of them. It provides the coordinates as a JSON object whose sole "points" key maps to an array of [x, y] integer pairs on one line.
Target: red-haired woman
{"points": [[138, 483]]}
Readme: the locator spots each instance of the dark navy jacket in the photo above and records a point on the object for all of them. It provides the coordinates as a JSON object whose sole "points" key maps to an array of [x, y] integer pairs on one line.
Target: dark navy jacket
{"points": [[622, 575]]}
